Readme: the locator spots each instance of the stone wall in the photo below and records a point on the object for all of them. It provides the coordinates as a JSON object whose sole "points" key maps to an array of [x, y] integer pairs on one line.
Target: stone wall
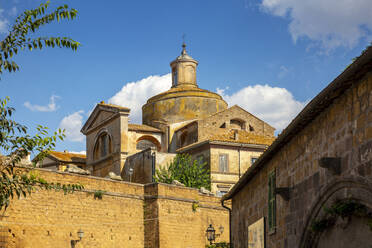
{"points": [[211, 125], [143, 163], [52, 219], [128, 215], [342, 130], [182, 216]]}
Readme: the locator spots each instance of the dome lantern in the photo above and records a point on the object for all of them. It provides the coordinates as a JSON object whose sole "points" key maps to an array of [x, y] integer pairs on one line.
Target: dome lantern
{"points": [[184, 70]]}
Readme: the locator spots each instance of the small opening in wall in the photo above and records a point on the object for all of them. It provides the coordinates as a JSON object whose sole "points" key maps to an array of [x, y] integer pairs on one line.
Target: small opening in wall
{"points": [[251, 128], [223, 125]]}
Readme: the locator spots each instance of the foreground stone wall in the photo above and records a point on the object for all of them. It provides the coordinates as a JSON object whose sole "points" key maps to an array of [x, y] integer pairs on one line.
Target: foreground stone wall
{"points": [[128, 215], [182, 216], [342, 130], [52, 219]]}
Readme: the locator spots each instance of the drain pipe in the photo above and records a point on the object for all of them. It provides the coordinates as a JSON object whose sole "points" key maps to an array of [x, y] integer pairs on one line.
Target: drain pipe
{"points": [[153, 163], [230, 215]]}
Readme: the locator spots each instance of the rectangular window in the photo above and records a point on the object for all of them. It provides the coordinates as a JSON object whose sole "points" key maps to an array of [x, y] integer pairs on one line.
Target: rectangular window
{"points": [[271, 203], [224, 163]]}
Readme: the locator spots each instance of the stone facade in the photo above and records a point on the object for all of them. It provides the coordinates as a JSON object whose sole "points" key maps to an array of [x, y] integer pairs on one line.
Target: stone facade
{"points": [[128, 215], [323, 157], [175, 121]]}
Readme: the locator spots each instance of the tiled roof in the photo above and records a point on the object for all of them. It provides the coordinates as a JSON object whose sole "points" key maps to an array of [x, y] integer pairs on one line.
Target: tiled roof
{"points": [[68, 156], [140, 127]]}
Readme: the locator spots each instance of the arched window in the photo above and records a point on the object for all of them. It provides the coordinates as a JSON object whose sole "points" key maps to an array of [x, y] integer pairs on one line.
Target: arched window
{"points": [[102, 147], [146, 142], [237, 124]]}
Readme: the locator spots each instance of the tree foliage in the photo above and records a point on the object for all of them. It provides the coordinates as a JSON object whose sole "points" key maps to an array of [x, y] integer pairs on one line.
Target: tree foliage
{"points": [[16, 182], [192, 173], [28, 23], [14, 139]]}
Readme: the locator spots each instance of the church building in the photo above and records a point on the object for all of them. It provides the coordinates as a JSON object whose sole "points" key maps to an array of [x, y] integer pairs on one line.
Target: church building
{"points": [[184, 119]]}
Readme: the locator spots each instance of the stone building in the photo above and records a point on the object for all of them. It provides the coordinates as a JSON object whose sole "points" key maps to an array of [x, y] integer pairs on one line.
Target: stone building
{"points": [[313, 186], [183, 119]]}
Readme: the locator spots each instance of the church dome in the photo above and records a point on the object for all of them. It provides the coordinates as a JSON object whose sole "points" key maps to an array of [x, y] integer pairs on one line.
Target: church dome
{"points": [[185, 100]]}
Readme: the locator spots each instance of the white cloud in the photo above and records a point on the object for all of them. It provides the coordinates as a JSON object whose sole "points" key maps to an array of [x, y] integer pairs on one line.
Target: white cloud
{"points": [[330, 23], [72, 125], [283, 71], [48, 108], [135, 94], [274, 105], [4, 23]]}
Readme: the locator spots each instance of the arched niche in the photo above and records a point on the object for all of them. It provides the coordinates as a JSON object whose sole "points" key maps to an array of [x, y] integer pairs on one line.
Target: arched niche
{"points": [[343, 233], [147, 141], [102, 145]]}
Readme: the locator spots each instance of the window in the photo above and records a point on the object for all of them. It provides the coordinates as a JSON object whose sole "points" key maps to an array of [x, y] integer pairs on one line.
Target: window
{"points": [[103, 146], [224, 163], [251, 128], [253, 160], [272, 203], [237, 124], [175, 76]]}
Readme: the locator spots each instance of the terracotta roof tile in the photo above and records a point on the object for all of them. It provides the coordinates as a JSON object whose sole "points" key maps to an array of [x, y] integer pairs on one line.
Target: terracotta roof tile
{"points": [[68, 156]]}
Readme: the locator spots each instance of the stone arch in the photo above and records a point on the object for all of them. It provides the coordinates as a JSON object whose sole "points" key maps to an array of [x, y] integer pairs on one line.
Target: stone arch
{"points": [[147, 141], [352, 187], [102, 144]]}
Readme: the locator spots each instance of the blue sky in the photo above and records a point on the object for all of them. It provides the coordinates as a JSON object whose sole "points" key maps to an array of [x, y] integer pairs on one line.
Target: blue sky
{"points": [[269, 56]]}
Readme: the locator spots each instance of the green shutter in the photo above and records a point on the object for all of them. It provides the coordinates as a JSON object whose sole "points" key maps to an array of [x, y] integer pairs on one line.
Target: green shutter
{"points": [[271, 202]]}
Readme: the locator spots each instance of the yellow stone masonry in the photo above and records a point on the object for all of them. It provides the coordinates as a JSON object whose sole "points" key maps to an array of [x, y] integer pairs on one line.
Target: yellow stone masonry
{"points": [[128, 215]]}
